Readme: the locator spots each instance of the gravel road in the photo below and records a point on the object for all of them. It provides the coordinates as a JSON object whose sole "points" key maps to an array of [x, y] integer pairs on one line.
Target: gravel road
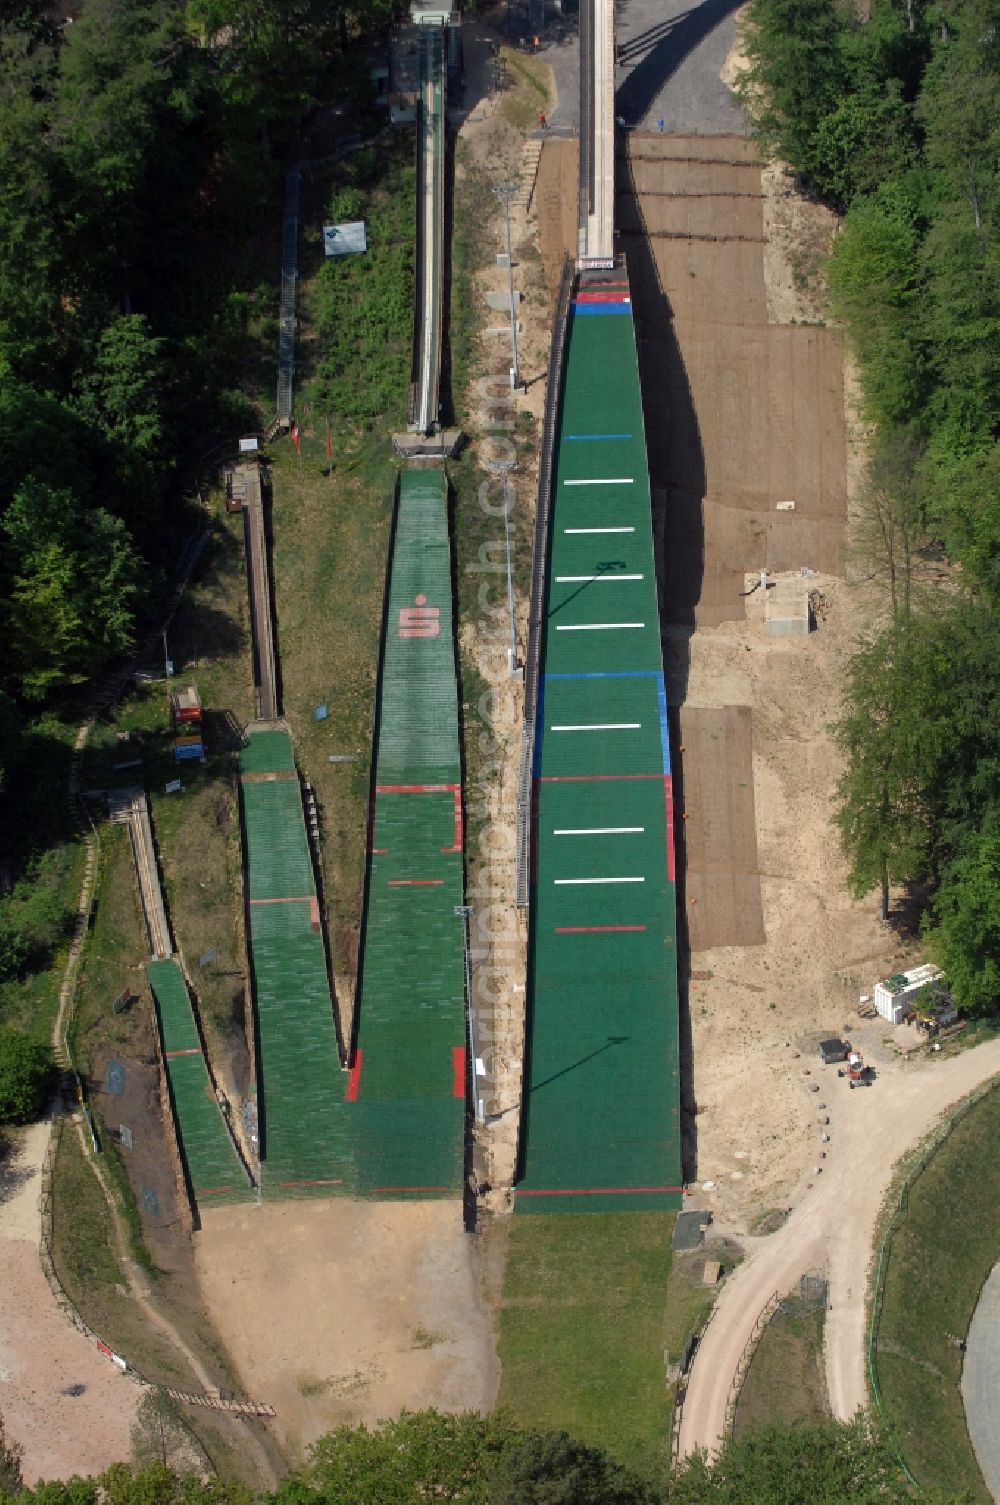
{"points": [[832, 1227]]}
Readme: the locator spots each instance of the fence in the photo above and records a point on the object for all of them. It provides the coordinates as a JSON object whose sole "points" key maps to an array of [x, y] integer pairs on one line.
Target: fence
{"points": [[763, 1317], [240, 1406], [878, 1286], [546, 461], [680, 1394]]}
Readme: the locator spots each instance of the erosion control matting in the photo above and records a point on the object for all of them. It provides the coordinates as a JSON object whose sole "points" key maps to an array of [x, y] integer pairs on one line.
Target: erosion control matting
{"points": [[741, 415], [406, 1088], [303, 1131], [214, 1171], [720, 835], [600, 1124]]}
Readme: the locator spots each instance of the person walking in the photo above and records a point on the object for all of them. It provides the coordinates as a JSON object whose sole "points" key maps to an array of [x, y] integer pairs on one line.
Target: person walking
{"points": [[541, 119]]}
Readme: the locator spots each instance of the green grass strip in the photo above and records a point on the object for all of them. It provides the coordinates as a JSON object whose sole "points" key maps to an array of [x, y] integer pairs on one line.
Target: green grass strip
{"points": [[936, 1256], [582, 1330]]}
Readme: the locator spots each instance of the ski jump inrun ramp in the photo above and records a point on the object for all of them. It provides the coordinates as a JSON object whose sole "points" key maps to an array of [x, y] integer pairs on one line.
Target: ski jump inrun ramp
{"points": [[600, 1122], [408, 1062], [211, 1168]]}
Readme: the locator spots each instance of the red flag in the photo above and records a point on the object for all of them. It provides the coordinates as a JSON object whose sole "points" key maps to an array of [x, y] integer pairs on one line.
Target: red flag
{"points": [[329, 441], [296, 436]]}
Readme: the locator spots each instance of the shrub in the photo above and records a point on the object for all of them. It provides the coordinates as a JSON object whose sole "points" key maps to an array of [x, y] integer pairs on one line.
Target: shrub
{"points": [[27, 1072]]}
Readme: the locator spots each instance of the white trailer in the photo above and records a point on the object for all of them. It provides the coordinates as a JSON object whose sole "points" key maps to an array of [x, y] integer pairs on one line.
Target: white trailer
{"points": [[895, 998]]}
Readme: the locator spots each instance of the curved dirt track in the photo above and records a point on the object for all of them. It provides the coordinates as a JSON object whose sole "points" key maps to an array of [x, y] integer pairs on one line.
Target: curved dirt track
{"points": [[832, 1228]]}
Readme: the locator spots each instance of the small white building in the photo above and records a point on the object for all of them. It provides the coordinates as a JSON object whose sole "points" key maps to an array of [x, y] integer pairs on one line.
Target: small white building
{"points": [[895, 998]]}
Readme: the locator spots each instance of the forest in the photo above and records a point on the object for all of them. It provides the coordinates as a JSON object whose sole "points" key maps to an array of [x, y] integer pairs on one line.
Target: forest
{"points": [[142, 151], [890, 113], [488, 1460], [135, 161]]}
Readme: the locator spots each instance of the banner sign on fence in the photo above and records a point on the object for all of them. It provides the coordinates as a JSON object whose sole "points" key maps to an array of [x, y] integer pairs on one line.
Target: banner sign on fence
{"points": [[345, 240]]}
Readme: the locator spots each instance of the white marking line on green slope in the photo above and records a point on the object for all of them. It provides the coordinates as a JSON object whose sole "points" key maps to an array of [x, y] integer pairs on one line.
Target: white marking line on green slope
{"points": [[597, 830]]}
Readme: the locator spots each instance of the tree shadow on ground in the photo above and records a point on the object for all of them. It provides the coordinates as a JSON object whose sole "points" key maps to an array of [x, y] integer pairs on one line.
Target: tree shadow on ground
{"points": [[907, 908], [13, 1175]]}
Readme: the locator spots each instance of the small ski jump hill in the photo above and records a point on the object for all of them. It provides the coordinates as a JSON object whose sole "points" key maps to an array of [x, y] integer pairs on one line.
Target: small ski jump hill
{"points": [[209, 1165], [304, 1145], [213, 1171], [393, 1125], [408, 1061], [600, 1122]]}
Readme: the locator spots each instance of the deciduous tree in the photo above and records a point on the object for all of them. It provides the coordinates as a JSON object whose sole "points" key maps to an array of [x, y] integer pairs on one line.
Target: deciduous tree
{"points": [[827, 1464], [74, 580], [26, 1074], [552, 1468], [423, 1455], [796, 75], [964, 938]]}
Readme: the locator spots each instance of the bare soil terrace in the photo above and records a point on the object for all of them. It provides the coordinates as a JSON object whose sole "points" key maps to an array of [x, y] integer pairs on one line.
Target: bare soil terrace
{"points": [[745, 410]]}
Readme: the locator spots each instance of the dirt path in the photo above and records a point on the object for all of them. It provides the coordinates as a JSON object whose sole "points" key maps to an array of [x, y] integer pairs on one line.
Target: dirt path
{"points": [[65, 1403], [62, 1400], [832, 1228]]}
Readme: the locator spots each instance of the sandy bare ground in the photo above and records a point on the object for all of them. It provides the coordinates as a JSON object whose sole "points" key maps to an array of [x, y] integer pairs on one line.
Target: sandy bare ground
{"points": [[833, 1228], [339, 1312], [757, 1010], [63, 1401], [42, 1358], [743, 415]]}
